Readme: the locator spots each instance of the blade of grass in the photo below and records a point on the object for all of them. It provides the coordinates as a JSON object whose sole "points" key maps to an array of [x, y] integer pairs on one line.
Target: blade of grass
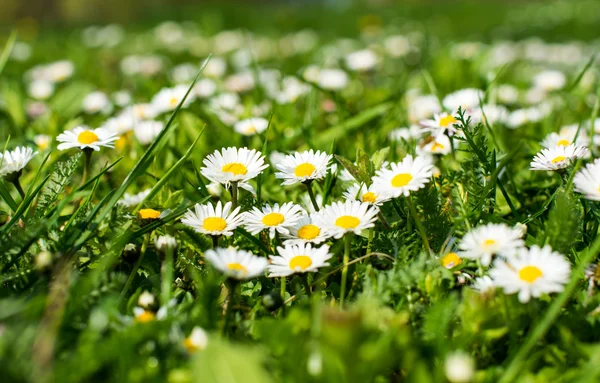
{"points": [[12, 39], [23, 206]]}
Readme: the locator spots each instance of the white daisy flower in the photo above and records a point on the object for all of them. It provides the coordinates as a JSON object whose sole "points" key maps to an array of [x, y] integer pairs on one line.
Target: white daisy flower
{"points": [[298, 259], [403, 177], [558, 157], [129, 200], [423, 107], [441, 123], [362, 61], [587, 181], [362, 193], [147, 131], [532, 272], [85, 137], [234, 165], [42, 141], [483, 285], [197, 341], [305, 231], [251, 126], [96, 102], [204, 88], [303, 167], [340, 218], [143, 316], [439, 144], [14, 161], [274, 218], [485, 241], [464, 98], [332, 79], [236, 264], [550, 80], [40, 89], [120, 124], [406, 134], [219, 220], [566, 136], [146, 299], [139, 112], [167, 99]]}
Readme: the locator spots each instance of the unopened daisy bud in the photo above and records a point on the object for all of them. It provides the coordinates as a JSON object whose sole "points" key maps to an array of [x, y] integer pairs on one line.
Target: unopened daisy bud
{"points": [[43, 260], [130, 252], [459, 367], [165, 243], [197, 341]]}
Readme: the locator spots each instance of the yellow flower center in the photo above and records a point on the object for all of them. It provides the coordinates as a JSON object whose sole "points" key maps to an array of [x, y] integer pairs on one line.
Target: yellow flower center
{"points": [[273, 219], [149, 214], [250, 129], [121, 142], [190, 346], [347, 222], [563, 143], [214, 224], [145, 317], [530, 274], [558, 159], [445, 121], [401, 179], [304, 170], [300, 261], [235, 167], [237, 267], [87, 137], [369, 197], [309, 232], [437, 146], [489, 243], [173, 101], [451, 260]]}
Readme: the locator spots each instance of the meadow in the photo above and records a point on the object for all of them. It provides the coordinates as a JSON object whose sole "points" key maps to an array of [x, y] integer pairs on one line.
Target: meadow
{"points": [[402, 193]]}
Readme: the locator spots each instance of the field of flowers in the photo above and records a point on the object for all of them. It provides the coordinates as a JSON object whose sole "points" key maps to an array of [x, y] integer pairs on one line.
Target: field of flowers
{"points": [[383, 197]]}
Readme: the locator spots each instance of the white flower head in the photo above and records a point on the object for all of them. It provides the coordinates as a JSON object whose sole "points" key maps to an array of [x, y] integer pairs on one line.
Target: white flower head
{"points": [[146, 299], [558, 157], [362, 193], [340, 218], [303, 167], [459, 367], [532, 273], [197, 341], [441, 123], [298, 259], [465, 99], [14, 161], [41, 89], [129, 200], [42, 141], [147, 131], [165, 243], [402, 178], [167, 99], [332, 79], [305, 230], [236, 264], [485, 241], [84, 137], [219, 220], [549, 80], [276, 218], [233, 165], [483, 285], [251, 126], [587, 181], [362, 61], [96, 102], [407, 134], [438, 144], [568, 135]]}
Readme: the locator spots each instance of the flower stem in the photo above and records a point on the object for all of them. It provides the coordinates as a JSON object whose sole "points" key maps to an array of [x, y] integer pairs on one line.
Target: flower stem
{"points": [[304, 279], [234, 195], [18, 187], [311, 194], [88, 164], [167, 277], [135, 267], [215, 240], [419, 224], [347, 242], [232, 285]]}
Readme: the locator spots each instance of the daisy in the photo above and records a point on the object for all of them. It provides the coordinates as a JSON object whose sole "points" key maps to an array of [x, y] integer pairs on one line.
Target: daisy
{"points": [[197, 341], [236, 264], [340, 218], [219, 220], [42, 141], [332, 79], [251, 126], [84, 137], [439, 144], [483, 285], [494, 238], [167, 99], [403, 177], [360, 192], [303, 167], [234, 165], [465, 99], [423, 107], [362, 61], [298, 259], [13, 162], [441, 123], [549, 80], [147, 131], [274, 218], [587, 181], [406, 134], [305, 231], [96, 102], [532, 272], [129, 200], [143, 316], [558, 157], [451, 260], [568, 135]]}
